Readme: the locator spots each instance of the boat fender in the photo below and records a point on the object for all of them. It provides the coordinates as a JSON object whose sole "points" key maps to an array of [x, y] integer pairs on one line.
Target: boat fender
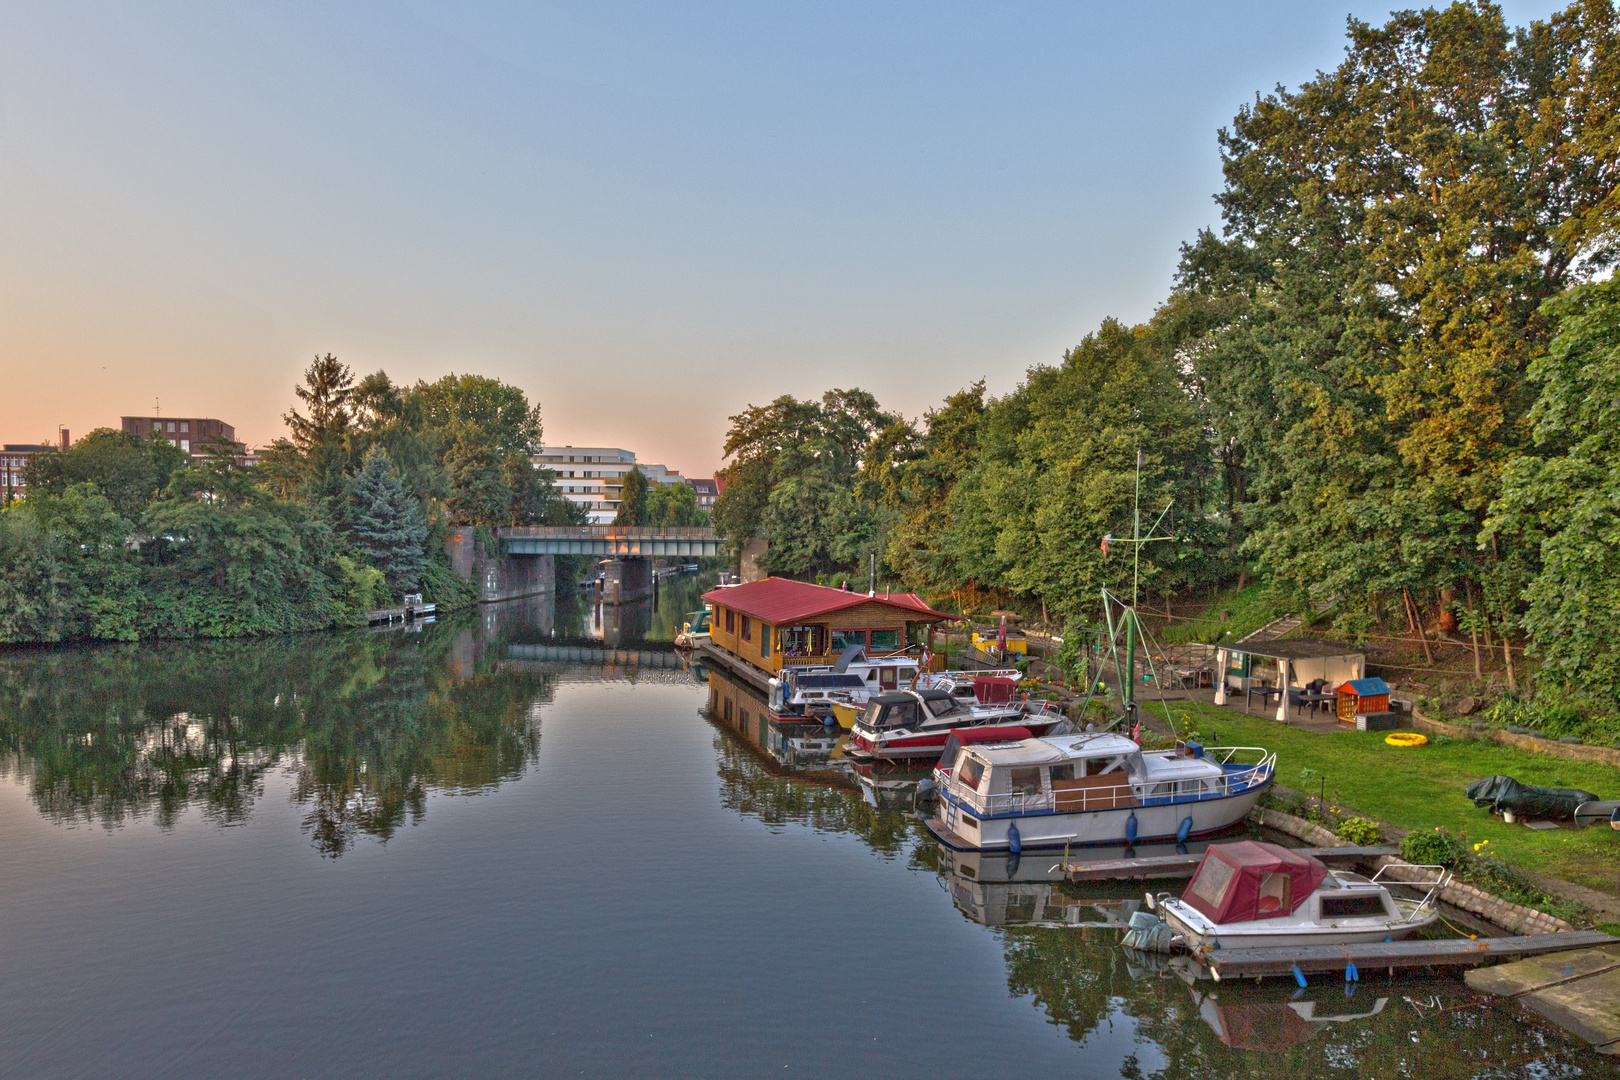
{"points": [[1014, 844], [1185, 830], [1350, 974], [1181, 849], [1299, 976], [1130, 828]]}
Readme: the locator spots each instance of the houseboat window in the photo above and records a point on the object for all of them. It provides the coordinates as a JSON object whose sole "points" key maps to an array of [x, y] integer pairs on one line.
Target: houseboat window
{"points": [[1349, 907], [764, 640], [843, 639], [970, 773], [888, 639], [748, 629], [1063, 772], [731, 621], [1026, 781], [804, 640]]}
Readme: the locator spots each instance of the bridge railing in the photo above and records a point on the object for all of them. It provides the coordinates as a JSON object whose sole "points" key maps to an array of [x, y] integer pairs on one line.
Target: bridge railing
{"points": [[608, 532]]}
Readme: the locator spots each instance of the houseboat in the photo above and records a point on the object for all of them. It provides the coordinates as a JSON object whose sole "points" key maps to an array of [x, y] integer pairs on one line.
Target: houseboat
{"points": [[1093, 788], [1257, 895], [915, 725], [761, 629]]}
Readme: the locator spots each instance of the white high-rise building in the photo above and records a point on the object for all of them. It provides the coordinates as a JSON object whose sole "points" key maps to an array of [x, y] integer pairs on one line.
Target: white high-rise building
{"points": [[593, 476]]}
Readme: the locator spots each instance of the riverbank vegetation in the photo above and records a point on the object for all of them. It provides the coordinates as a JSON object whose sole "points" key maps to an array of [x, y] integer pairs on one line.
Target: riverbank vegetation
{"points": [[1388, 386], [123, 537]]}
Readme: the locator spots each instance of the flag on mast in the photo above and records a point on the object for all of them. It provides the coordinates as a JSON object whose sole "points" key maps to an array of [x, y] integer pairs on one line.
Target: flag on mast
{"points": [[1106, 537]]}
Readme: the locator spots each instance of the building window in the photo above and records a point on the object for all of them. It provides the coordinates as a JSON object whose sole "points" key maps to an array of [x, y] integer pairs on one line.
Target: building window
{"points": [[157, 425], [747, 629], [887, 639], [185, 425], [185, 444], [731, 621], [171, 425], [765, 640]]}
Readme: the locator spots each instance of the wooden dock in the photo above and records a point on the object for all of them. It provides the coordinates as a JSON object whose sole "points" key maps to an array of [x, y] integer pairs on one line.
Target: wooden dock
{"points": [[399, 614], [739, 667], [1580, 991], [1180, 866], [1371, 957]]}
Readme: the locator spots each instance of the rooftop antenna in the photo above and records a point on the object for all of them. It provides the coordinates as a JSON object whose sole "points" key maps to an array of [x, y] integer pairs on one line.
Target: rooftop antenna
{"points": [[157, 407]]}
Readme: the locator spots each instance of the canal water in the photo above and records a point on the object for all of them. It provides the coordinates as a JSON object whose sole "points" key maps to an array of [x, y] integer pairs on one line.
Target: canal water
{"points": [[532, 841]]}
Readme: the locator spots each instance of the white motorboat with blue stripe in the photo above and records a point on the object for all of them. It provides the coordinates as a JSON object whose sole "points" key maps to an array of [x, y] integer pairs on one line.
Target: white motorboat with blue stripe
{"points": [[1092, 788]]}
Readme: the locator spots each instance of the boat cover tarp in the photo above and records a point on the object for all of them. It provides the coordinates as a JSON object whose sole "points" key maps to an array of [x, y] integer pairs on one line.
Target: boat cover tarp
{"points": [[1252, 880], [959, 736], [991, 690], [1543, 803]]}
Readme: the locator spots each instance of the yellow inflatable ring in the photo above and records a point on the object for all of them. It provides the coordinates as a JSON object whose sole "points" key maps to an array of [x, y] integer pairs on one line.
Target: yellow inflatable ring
{"points": [[1406, 738]]}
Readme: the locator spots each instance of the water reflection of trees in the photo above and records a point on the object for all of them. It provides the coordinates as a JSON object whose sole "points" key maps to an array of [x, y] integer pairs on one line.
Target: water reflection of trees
{"points": [[1083, 982], [367, 724], [826, 802]]}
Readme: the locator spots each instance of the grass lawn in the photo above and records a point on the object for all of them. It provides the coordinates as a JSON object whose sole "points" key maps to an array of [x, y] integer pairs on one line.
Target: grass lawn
{"points": [[1423, 787]]}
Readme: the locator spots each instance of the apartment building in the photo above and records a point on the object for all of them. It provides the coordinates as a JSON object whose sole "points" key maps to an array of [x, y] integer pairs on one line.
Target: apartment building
{"points": [[705, 490], [593, 476], [190, 434]]}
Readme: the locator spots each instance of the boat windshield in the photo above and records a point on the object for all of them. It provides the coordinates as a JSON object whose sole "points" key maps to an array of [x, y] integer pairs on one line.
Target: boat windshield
{"points": [[901, 714]]}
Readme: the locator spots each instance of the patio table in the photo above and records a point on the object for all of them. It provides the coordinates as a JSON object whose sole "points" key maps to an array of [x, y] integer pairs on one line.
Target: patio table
{"points": [[1313, 700], [1266, 693]]}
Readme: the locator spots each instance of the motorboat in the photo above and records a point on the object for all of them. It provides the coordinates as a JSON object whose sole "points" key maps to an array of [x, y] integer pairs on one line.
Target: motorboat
{"points": [[694, 630], [905, 725], [974, 689], [1254, 895], [811, 690], [1093, 788]]}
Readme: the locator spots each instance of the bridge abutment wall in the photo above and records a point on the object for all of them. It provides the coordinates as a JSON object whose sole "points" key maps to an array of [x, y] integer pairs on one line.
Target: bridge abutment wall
{"points": [[498, 577], [627, 581]]}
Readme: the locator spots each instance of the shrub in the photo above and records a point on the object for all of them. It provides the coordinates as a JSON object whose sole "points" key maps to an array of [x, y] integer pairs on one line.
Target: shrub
{"points": [[1437, 848], [1360, 831]]}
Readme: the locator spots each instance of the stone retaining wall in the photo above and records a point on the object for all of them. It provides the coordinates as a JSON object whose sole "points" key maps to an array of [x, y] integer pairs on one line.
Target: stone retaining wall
{"points": [[1510, 916], [1603, 755]]}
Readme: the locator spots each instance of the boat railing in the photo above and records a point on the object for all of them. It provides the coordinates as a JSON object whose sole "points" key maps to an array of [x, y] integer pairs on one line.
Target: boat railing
{"points": [[1441, 878], [1125, 791]]}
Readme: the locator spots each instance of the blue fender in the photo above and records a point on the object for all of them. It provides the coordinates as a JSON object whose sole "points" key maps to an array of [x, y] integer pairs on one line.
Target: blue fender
{"points": [[1299, 976], [1185, 830], [1130, 828], [1351, 974], [1014, 844]]}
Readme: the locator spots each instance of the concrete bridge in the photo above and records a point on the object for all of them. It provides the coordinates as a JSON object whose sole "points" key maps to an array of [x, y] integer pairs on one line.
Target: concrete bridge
{"points": [[610, 541]]}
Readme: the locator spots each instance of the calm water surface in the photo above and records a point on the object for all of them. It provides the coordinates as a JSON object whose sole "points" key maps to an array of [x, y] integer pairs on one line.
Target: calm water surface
{"points": [[532, 843]]}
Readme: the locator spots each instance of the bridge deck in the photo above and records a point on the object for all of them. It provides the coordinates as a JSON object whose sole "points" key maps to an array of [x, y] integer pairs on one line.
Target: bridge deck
{"points": [[610, 540]]}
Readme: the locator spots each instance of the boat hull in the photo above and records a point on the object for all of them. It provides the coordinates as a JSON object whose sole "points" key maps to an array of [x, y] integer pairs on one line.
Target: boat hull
{"points": [[1154, 824], [1264, 938]]}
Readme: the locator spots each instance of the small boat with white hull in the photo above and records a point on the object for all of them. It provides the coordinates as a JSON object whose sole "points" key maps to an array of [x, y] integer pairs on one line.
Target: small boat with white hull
{"points": [[1253, 895], [811, 691], [908, 725], [1092, 788]]}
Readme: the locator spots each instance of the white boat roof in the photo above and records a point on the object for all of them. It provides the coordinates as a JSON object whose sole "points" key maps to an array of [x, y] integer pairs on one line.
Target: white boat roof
{"points": [[1058, 748], [1170, 768]]}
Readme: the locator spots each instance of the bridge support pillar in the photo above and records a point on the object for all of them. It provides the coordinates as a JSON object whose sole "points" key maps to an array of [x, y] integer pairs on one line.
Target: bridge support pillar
{"points": [[627, 580]]}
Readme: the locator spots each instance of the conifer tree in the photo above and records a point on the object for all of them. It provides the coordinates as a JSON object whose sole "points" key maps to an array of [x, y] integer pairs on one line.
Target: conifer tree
{"points": [[386, 522]]}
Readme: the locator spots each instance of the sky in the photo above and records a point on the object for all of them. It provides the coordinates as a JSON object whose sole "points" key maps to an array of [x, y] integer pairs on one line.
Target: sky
{"points": [[647, 216]]}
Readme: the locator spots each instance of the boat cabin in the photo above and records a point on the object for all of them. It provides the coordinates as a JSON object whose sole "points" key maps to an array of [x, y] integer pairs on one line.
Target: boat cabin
{"points": [[778, 623], [1083, 772], [1252, 880]]}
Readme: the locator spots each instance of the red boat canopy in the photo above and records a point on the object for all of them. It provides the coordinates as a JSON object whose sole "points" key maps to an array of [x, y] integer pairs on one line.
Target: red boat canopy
{"points": [[991, 690], [1252, 880]]}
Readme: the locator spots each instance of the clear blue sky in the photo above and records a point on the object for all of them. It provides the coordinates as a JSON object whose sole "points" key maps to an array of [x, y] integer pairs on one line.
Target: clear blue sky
{"points": [[647, 216]]}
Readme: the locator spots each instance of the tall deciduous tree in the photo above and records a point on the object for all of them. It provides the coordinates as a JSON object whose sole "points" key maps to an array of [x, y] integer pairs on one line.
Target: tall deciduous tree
{"points": [[632, 499]]}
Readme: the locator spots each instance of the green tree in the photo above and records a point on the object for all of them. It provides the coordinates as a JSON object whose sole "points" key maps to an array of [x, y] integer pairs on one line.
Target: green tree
{"points": [[1561, 502], [674, 505], [385, 522], [129, 470], [632, 499]]}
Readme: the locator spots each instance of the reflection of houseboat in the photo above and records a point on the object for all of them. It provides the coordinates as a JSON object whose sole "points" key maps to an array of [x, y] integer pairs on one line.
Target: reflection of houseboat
{"points": [[1256, 895], [916, 724], [760, 629], [1093, 788]]}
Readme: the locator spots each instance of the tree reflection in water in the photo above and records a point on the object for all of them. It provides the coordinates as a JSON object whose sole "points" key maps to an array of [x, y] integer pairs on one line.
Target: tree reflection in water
{"points": [[366, 723]]}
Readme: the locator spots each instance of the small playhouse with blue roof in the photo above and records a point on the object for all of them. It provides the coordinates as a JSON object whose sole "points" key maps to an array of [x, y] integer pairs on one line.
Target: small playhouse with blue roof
{"points": [[1363, 697]]}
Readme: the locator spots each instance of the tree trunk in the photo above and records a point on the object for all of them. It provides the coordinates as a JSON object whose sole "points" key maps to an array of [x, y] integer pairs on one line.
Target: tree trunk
{"points": [[1507, 658], [1417, 627], [1473, 631]]}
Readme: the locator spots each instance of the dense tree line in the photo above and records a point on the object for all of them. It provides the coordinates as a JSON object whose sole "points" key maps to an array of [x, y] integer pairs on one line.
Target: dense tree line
{"points": [[1388, 382], [123, 537]]}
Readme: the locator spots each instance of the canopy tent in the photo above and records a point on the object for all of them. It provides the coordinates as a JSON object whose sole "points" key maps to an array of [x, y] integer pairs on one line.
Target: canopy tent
{"points": [[1252, 880]]}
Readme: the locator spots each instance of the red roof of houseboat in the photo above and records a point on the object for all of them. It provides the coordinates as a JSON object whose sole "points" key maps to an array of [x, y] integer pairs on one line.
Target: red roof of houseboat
{"points": [[781, 600]]}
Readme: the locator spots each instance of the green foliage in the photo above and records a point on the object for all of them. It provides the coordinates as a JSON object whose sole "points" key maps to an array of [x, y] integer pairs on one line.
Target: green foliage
{"points": [[1432, 847], [128, 470], [1359, 831], [386, 524], [633, 499], [674, 505]]}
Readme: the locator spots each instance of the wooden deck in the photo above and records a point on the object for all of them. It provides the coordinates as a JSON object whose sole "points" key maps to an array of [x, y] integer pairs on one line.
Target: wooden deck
{"points": [[397, 614], [1392, 955], [1580, 991], [1180, 866]]}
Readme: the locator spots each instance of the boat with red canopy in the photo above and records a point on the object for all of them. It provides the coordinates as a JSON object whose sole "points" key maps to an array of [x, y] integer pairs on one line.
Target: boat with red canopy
{"points": [[1251, 894]]}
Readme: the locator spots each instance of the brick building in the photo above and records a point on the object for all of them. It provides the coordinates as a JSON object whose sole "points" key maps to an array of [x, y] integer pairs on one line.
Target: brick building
{"points": [[190, 434]]}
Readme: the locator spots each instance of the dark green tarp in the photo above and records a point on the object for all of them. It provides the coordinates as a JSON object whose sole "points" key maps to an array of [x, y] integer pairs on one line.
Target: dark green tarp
{"points": [[1538, 803]]}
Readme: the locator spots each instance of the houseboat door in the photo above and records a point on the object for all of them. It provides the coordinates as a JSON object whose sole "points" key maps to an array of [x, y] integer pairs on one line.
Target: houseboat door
{"points": [[887, 678]]}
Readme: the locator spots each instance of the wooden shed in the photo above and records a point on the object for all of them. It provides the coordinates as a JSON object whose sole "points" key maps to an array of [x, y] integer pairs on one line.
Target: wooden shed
{"points": [[1362, 696]]}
